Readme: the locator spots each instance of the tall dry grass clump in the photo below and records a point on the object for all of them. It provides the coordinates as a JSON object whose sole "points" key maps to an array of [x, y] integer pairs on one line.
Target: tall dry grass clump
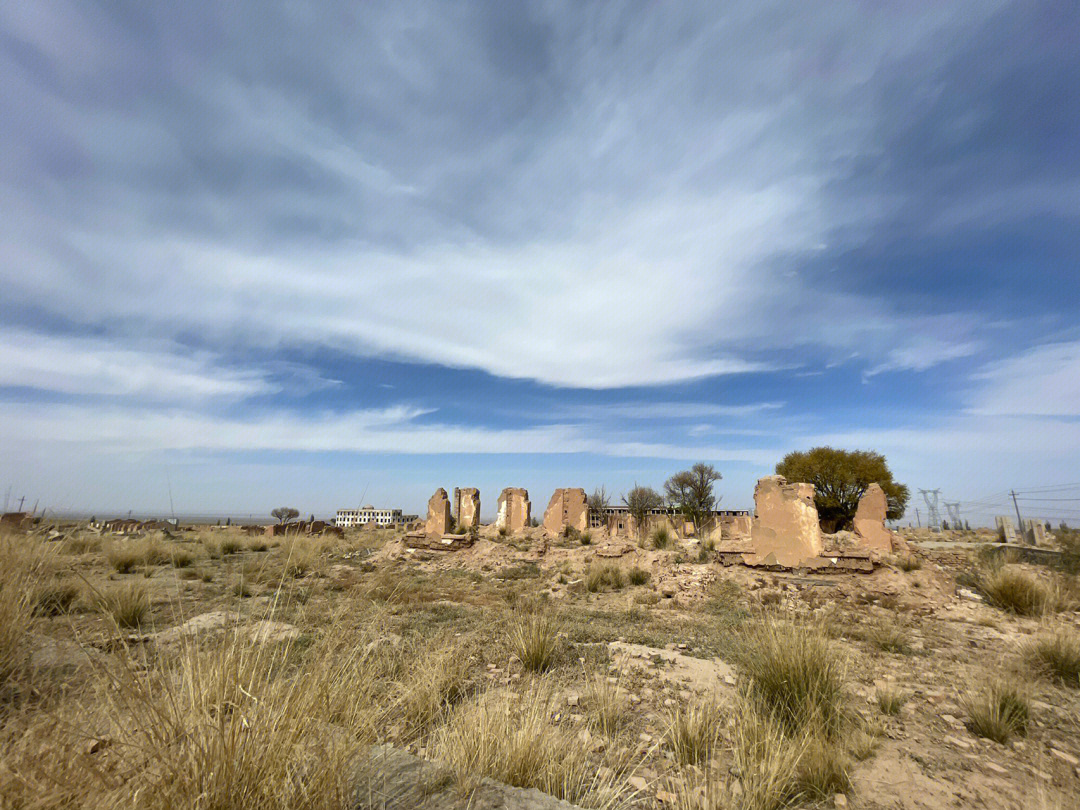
{"points": [[1056, 655], [794, 675], [534, 639], [998, 711], [25, 565], [1014, 590], [228, 724], [606, 706], [127, 604], [693, 730], [511, 738], [127, 555]]}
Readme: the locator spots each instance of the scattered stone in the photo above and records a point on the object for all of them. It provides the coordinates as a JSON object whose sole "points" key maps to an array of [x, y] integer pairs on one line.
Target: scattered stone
{"points": [[1064, 757], [573, 699], [638, 783], [840, 801]]}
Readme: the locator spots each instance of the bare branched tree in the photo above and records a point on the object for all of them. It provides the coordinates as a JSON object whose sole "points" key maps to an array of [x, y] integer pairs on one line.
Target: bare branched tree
{"points": [[691, 492], [639, 502]]}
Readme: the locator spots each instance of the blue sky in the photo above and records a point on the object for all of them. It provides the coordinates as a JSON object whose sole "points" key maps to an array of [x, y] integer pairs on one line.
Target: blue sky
{"points": [[273, 254]]}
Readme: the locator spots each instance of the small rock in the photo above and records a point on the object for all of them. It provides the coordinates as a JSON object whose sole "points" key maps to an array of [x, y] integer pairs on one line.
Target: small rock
{"points": [[664, 797], [638, 783], [573, 699], [840, 801], [645, 738], [1064, 757], [963, 745], [993, 766]]}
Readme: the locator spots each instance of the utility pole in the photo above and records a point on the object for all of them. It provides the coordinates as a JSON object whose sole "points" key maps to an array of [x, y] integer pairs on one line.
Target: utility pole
{"points": [[23, 498], [1019, 520]]}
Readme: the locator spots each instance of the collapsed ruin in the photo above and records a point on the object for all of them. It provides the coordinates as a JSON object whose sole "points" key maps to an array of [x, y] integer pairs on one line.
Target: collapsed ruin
{"points": [[785, 530], [515, 510], [438, 514], [568, 509], [466, 508], [869, 525]]}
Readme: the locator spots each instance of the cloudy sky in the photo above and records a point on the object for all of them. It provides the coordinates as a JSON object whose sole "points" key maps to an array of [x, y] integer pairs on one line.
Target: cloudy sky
{"points": [[265, 254]]}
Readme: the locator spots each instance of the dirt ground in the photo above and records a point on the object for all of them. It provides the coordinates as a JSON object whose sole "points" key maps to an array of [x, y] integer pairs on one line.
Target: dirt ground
{"points": [[669, 639]]}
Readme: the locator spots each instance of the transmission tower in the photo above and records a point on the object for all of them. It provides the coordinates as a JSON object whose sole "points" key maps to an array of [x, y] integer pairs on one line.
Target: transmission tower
{"points": [[933, 519], [953, 508]]}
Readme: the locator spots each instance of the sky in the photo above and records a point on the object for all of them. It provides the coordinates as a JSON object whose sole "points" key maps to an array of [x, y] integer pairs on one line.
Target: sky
{"points": [[259, 254]]}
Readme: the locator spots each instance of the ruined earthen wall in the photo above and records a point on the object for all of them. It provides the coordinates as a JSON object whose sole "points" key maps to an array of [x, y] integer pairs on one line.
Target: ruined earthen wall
{"points": [[466, 507], [515, 510], [438, 514], [567, 508], [870, 529], [785, 529]]}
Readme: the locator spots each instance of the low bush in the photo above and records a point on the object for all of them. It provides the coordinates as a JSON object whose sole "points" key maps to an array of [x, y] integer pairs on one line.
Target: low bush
{"points": [[908, 562], [181, 558], [638, 576], [605, 707], [660, 537], [889, 636], [56, 597]]}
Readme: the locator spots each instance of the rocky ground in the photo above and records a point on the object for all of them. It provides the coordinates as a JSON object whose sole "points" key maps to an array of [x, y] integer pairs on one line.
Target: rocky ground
{"points": [[426, 645]]}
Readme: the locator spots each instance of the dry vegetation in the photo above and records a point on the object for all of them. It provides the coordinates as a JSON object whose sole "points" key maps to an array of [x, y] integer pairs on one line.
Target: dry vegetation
{"points": [[219, 671]]}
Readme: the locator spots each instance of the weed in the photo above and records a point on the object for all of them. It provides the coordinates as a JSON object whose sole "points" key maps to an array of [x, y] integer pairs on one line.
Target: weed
{"points": [[585, 538], [56, 597], [182, 558], [1017, 591], [908, 562], [722, 596], [890, 636], [605, 706]]}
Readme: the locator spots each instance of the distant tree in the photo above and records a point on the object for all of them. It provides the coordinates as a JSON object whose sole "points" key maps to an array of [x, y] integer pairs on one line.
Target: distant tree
{"points": [[228, 521], [840, 478], [691, 492], [945, 525], [639, 502], [599, 502], [284, 514]]}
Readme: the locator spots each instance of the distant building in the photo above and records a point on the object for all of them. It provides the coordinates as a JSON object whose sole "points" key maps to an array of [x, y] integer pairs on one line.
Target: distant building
{"points": [[369, 514]]}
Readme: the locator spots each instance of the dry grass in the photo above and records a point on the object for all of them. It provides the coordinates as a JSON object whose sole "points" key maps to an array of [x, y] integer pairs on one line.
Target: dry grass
{"points": [[889, 635], [434, 680], [127, 604], [603, 576], [606, 708], [55, 597], [638, 576], [693, 730], [660, 537], [767, 760], [1016, 591], [511, 738], [534, 639], [1056, 655], [891, 700], [908, 562], [794, 675], [127, 555], [303, 556], [23, 567], [181, 557], [998, 711]]}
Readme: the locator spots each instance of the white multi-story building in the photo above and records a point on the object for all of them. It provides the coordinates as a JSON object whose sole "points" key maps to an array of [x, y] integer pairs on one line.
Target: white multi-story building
{"points": [[366, 515]]}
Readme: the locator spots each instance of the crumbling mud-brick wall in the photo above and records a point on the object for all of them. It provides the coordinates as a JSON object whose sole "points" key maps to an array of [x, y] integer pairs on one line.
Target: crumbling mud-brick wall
{"points": [[515, 510], [785, 530], [1005, 528], [1034, 532], [869, 524], [466, 507], [438, 514], [568, 508]]}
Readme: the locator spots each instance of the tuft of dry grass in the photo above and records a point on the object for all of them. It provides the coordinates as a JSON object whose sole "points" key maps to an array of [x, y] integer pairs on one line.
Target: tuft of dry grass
{"points": [[794, 675], [889, 635], [127, 555], [436, 679], [181, 557], [55, 597], [534, 639], [24, 565], [693, 730], [605, 707], [1056, 655], [891, 700], [603, 576], [908, 562], [127, 604], [660, 537], [511, 738], [1016, 591], [638, 576], [767, 760], [998, 711], [302, 556]]}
